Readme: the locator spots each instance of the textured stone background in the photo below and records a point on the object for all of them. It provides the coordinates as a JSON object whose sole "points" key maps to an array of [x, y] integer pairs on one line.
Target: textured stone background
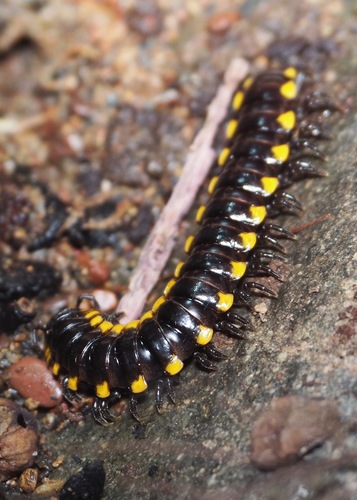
{"points": [[305, 345]]}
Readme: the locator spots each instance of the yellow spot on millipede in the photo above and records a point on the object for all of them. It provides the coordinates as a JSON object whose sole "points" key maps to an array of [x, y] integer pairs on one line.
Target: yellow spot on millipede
{"points": [[47, 354], [205, 335], [118, 328], [96, 320], [281, 152], [56, 369], [231, 128], [238, 100], [132, 324], [105, 326], [147, 315], [238, 269], [249, 240], [247, 82], [91, 314], [290, 72], [168, 287], [178, 268], [225, 301], [188, 243], [200, 212], [288, 90], [258, 214], [174, 366], [222, 158], [72, 383], [212, 184], [139, 385], [287, 120], [270, 184], [158, 302], [102, 390]]}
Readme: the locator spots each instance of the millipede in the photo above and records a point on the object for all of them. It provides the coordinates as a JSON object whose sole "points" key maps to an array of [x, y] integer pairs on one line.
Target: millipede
{"points": [[274, 122]]}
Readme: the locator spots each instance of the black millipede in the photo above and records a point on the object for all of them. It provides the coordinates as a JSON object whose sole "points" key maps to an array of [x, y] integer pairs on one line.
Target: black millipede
{"points": [[272, 129]]}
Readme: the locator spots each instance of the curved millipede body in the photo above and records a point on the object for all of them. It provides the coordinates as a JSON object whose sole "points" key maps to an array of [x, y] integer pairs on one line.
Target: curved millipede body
{"points": [[271, 132]]}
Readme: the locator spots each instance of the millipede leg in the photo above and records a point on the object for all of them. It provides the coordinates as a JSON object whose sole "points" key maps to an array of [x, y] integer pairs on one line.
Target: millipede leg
{"points": [[213, 353], [260, 289], [158, 396], [300, 169], [203, 362], [261, 270], [285, 203], [133, 408], [165, 384], [262, 256], [101, 413], [319, 101], [87, 296], [71, 396], [280, 232], [170, 389]]}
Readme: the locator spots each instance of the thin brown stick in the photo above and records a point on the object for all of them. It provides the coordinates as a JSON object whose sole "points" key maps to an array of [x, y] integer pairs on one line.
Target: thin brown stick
{"points": [[302, 227], [162, 238]]}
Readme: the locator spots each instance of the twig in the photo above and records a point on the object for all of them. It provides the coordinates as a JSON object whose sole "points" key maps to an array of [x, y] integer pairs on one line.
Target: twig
{"points": [[302, 227], [162, 238]]}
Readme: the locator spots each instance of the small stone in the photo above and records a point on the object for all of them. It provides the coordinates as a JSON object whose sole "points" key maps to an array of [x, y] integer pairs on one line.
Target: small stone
{"points": [[107, 300], [155, 169], [28, 480], [31, 404], [49, 488], [96, 270], [145, 19], [261, 308], [58, 461], [31, 378], [18, 439], [289, 428], [221, 22]]}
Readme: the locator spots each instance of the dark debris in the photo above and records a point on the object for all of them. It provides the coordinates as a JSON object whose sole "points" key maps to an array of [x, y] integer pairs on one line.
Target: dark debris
{"points": [[27, 279], [302, 53], [15, 313], [88, 484]]}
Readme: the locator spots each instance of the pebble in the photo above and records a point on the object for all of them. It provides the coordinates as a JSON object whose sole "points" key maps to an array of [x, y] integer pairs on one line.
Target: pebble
{"points": [[49, 488], [145, 19], [106, 299], [32, 378], [18, 439], [221, 22], [28, 480], [289, 428], [97, 270]]}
